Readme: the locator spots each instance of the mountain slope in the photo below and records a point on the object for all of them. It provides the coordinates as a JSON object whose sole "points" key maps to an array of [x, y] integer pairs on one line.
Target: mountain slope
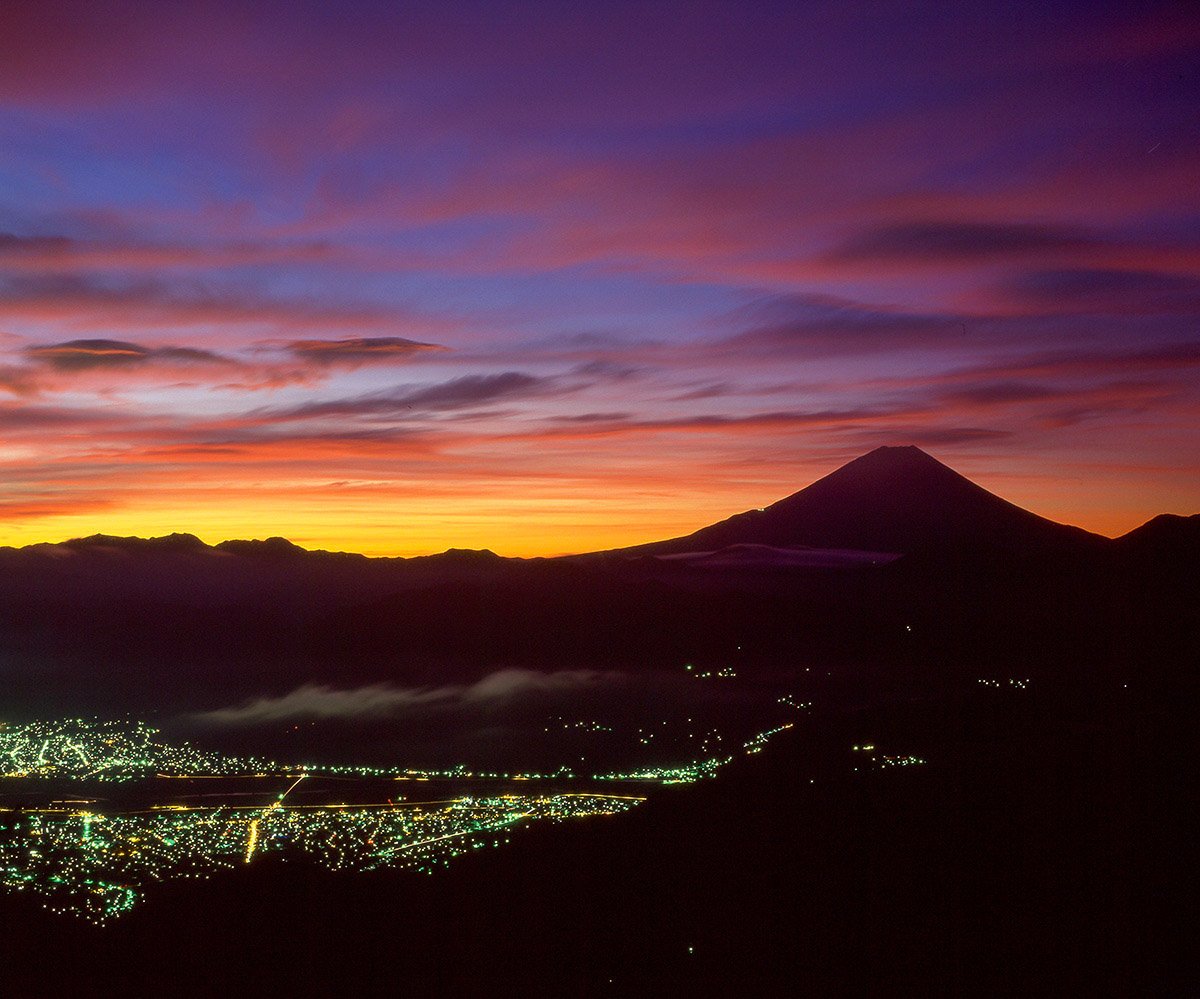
{"points": [[1167, 536], [122, 622], [893, 499]]}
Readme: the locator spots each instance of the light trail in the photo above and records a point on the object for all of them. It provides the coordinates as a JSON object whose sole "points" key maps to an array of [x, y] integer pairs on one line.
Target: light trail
{"points": [[289, 790], [253, 842]]}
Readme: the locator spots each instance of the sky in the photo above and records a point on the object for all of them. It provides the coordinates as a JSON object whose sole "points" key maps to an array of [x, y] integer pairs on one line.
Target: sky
{"points": [[547, 278]]}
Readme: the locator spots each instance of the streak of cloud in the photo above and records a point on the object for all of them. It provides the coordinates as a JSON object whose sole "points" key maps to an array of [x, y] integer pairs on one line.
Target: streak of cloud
{"points": [[356, 351], [381, 700], [78, 355]]}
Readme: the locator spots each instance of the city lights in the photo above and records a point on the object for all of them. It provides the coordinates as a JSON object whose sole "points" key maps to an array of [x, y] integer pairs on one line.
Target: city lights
{"points": [[99, 865]]}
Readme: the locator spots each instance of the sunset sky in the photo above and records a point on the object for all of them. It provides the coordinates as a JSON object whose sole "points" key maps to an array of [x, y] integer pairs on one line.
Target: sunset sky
{"points": [[396, 277]]}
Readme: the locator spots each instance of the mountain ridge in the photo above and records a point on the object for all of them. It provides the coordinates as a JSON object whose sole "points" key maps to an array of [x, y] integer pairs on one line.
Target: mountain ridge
{"points": [[895, 500], [103, 616], [891, 499]]}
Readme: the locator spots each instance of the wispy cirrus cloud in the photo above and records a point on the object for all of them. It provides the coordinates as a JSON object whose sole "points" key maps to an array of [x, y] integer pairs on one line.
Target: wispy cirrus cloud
{"points": [[66, 365], [87, 354], [73, 255], [955, 241], [816, 325], [382, 700], [354, 352], [222, 313], [26, 418], [1091, 290], [1169, 360], [25, 505], [462, 393]]}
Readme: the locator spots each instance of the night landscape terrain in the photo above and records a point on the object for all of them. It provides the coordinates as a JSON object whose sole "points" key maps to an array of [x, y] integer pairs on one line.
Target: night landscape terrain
{"points": [[649, 499], [957, 799]]}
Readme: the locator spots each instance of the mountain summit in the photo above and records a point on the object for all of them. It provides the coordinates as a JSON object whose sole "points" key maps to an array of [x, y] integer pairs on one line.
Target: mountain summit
{"points": [[892, 499]]}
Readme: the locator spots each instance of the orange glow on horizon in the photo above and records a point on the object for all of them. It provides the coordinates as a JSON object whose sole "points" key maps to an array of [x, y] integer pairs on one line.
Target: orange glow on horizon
{"points": [[523, 517]]}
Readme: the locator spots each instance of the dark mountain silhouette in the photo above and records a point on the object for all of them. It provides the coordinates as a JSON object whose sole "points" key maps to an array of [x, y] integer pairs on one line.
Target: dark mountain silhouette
{"points": [[894, 499], [113, 543], [890, 501], [1168, 535], [1026, 794], [976, 580], [767, 558]]}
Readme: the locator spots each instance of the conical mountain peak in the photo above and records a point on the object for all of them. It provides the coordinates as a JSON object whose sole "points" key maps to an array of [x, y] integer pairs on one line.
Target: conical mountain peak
{"points": [[896, 464], [892, 499]]}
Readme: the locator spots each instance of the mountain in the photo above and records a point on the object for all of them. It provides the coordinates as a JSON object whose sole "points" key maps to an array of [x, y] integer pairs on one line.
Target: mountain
{"points": [[890, 501], [894, 558], [893, 499], [1025, 794], [1166, 536], [764, 558]]}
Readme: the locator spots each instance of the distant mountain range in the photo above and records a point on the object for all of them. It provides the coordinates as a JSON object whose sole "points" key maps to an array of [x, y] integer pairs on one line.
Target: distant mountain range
{"points": [[892, 558], [891, 501]]}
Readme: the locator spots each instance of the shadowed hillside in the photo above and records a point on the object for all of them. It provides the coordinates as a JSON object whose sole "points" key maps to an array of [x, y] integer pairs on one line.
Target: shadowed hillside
{"points": [[974, 580], [893, 499]]}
